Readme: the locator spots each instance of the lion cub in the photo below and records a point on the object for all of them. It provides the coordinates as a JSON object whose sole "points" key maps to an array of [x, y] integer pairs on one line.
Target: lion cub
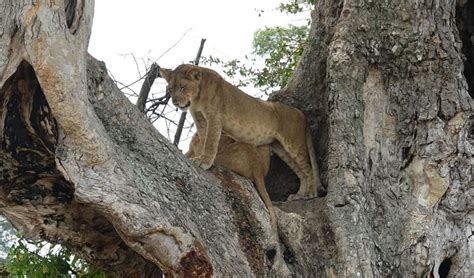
{"points": [[244, 159], [217, 106]]}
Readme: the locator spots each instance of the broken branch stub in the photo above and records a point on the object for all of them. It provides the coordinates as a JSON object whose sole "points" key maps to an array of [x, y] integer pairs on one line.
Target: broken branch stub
{"points": [[151, 75]]}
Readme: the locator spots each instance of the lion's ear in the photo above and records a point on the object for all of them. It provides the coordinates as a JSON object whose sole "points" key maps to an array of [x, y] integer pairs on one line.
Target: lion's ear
{"points": [[165, 73], [194, 74]]}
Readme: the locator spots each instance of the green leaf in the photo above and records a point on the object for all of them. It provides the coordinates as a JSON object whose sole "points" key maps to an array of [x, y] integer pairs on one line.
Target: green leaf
{"points": [[42, 259]]}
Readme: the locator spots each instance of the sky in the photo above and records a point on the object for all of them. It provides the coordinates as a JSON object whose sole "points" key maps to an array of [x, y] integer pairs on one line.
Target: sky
{"points": [[129, 35]]}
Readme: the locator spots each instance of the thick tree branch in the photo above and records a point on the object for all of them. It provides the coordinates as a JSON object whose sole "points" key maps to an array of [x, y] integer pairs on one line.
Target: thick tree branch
{"points": [[100, 178]]}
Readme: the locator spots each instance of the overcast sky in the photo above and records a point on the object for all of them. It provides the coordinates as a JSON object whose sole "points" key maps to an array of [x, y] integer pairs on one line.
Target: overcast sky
{"points": [[148, 28]]}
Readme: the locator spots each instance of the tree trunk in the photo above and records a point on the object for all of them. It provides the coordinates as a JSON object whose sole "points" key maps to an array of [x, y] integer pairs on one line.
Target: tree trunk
{"points": [[383, 85], [384, 91]]}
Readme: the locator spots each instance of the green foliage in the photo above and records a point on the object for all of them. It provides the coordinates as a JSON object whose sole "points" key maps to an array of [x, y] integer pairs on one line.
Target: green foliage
{"points": [[295, 6], [38, 258], [280, 48], [41, 259]]}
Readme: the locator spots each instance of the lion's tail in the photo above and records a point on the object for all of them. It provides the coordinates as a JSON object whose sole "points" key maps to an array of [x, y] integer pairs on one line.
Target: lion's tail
{"points": [[314, 164], [262, 191]]}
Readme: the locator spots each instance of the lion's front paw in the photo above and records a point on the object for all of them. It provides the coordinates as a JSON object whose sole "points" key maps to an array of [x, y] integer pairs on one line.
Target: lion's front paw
{"points": [[202, 163]]}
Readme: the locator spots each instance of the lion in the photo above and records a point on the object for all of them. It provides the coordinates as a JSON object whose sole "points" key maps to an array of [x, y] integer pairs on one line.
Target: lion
{"points": [[218, 106], [244, 159]]}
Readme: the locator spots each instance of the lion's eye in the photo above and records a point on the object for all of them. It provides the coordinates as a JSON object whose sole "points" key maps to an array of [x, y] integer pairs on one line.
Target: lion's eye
{"points": [[182, 88]]}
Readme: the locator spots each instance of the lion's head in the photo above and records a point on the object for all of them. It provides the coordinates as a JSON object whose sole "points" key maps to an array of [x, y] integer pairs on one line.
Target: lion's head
{"points": [[183, 84]]}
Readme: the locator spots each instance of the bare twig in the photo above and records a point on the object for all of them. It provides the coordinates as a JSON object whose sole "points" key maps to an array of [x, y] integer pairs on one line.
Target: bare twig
{"points": [[153, 111], [164, 117], [133, 83], [157, 102], [179, 130], [135, 60], [173, 46], [150, 77]]}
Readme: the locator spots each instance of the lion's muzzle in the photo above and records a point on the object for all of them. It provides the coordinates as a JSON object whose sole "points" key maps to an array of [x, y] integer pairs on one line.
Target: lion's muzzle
{"points": [[181, 106]]}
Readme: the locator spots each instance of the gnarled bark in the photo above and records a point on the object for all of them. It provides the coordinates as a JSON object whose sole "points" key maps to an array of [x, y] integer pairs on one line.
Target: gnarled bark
{"points": [[384, 84], [384, 90], [82, 166]]}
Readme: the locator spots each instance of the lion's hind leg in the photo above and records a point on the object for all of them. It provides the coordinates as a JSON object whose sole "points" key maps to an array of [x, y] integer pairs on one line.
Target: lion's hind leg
{"points": [[298, 165], [258, 179]]}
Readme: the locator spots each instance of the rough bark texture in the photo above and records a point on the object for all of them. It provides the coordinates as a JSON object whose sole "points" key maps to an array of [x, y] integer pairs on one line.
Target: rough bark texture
{"points": [[385, 89], [82, 166], [384, 84]]}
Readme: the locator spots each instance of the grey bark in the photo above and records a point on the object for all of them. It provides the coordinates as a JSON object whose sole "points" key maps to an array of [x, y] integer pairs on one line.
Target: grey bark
{"points": [[384, 90], [82, 166], [384, 84]]}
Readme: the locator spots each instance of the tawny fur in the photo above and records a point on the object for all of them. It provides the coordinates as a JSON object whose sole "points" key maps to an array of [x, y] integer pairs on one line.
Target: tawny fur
{"points": [[217, 106], [244, 159]]}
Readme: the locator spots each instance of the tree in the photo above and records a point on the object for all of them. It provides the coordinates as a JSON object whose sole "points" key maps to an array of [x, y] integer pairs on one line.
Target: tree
{"points": [[41, 259], [383, 87], [280, 48], [22, 257]]}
